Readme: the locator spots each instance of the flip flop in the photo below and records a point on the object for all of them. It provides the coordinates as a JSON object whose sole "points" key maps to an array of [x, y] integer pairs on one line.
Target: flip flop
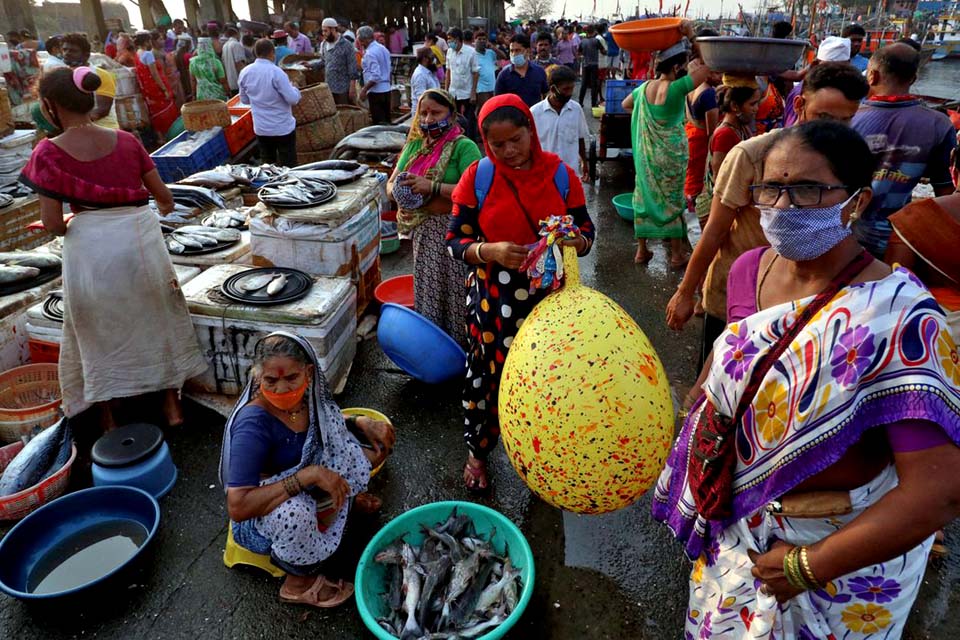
{"points": [[477, 473], [311, 596]]}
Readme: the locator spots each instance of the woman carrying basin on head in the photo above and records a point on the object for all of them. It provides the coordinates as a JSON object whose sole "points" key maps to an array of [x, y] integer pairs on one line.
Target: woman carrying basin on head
{"points": [[492, 239], [293, 468], [833, 397], [435, 156], [126, 329]]}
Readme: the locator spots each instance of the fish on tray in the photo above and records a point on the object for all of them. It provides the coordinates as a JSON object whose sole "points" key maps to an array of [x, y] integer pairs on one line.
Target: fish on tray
{"points": [[226, 219], [336, 171], [454, 585], [42, 456], [214, 179], [37, 259], [223, 235], [258, 282], [14, 274]]}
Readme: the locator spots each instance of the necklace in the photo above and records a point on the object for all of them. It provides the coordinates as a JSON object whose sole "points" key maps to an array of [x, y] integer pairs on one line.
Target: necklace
{"points": [[81, 126], [294, 415]]}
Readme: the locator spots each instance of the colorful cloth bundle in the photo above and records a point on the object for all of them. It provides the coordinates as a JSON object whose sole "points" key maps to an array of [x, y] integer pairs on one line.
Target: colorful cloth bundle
{"points": [[544, 263]]}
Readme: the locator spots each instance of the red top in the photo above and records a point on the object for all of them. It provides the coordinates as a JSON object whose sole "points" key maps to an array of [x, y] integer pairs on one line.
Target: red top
{"points": [[114, 180], [724, 139]]}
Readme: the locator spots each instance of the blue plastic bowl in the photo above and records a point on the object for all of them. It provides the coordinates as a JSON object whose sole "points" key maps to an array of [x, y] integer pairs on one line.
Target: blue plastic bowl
{"points": [[371, 579], [47, 527], [418, 346], [624, 205]]}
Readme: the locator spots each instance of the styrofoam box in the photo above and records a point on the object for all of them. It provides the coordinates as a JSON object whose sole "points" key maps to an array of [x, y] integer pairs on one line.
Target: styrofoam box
{"points": [[229, 331], [317, 249]]}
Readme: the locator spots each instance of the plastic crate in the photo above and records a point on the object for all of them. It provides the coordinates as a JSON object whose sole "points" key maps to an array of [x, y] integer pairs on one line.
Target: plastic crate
{"points": [[42, 351], [173, 166], [617, 91], [237, 108], [240, 133]]}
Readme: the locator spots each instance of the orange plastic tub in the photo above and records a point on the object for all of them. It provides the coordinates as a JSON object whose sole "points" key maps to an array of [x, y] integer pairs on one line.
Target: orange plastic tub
{"points": [[652, 34]]}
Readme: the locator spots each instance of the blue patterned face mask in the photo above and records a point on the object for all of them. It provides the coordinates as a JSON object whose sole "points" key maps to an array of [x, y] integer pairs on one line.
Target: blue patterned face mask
{"points": [[436, 129], [804, 233]]}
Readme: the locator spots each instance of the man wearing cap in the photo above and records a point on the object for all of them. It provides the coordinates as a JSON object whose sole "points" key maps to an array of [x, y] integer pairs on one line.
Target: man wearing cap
{"points": [[832, 49], [376, 76], [339, 61], [281, 46], [270, 95], [299, 42]]}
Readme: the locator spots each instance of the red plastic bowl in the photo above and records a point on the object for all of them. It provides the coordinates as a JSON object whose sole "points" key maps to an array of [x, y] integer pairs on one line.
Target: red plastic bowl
{"points": [[397, 290], [651, 34]]}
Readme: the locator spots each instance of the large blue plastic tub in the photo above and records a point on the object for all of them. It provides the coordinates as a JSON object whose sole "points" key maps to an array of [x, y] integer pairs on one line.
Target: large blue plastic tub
{"points": [[418, 346]]}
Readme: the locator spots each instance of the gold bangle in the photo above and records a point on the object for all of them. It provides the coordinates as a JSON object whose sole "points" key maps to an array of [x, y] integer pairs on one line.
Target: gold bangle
{"points": [[479, 247], [808, 573], [791, 569]]}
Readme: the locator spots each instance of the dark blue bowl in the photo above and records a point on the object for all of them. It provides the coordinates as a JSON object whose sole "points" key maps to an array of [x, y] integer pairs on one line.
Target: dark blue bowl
{"points": [[47, 527], [418, 346]]}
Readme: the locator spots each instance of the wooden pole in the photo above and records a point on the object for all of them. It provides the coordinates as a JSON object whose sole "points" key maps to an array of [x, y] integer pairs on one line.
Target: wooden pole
{"points": [[258, 10], [19, 16], [146, 14], [192, 13], [93, 23]]}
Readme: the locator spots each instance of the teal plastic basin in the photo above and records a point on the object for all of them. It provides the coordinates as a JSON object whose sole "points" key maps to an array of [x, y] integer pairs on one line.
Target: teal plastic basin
{"points": [[624, 205], [371, 582]]}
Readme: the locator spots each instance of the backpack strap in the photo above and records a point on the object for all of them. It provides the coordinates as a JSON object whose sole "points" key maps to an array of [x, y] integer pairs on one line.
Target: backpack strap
{"points": [[483, 180]]}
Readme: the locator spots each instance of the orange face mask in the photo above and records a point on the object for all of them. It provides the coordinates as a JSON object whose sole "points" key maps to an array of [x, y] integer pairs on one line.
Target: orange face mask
{"points": [[288, 400]]}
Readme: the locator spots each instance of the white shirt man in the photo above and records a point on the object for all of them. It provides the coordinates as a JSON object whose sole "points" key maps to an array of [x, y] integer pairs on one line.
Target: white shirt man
{"points": [[234, 59], [561, 132], [464, 69], [421, 79]]}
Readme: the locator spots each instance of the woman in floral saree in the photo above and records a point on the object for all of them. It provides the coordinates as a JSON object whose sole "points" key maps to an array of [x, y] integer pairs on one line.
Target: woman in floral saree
{"points": [[840, 435]]}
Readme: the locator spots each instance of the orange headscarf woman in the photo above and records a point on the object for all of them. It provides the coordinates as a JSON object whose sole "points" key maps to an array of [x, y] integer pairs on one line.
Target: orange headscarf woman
{"points": [[493, 240]]}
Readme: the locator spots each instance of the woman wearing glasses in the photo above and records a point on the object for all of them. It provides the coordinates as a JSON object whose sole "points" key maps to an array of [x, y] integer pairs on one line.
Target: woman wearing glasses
{"points": [[818, 453]]}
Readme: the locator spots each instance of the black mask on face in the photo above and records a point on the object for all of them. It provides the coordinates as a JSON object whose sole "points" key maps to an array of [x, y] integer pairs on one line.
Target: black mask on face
{"points": [[559, 97]]}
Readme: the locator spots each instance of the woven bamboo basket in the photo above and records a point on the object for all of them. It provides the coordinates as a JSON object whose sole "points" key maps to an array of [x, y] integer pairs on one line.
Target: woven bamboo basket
{"points": [[296, 77], [6, 114], [316, 102], [319, 135], [353, 118], [205, 114]]}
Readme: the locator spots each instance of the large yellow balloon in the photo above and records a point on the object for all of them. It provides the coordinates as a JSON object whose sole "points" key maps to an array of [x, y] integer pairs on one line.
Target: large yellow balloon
{"points": [[585, 409]]}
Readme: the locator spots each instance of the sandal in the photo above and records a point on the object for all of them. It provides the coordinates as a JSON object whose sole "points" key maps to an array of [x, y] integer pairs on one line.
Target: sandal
{"points": [[939, 548], [312, 594], [367, 503], [478, 475], [643, 257]]}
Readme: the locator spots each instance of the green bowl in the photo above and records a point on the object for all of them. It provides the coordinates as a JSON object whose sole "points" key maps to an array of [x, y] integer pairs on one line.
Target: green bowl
{"points": [[389, 245], [371, 581], [624, 205]]}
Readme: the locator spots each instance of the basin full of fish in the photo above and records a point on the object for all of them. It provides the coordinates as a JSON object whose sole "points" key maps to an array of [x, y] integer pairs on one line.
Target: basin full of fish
{"points": [[194, 237], [298, 192], [452, 586]]}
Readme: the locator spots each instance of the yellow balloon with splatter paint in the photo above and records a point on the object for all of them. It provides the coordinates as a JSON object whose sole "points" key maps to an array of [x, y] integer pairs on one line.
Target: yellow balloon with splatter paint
{"points": [[585, 409]]}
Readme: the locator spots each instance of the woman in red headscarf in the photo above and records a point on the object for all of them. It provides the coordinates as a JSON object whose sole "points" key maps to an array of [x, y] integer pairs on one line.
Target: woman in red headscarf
{"points": [[493, 240]]}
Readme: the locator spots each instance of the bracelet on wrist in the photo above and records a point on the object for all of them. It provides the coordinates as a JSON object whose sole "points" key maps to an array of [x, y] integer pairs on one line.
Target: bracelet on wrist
{"points": [[808, 573]]}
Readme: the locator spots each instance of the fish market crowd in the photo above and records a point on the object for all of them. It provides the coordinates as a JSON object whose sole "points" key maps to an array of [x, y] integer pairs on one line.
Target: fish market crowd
{"points": [[805, 474]]}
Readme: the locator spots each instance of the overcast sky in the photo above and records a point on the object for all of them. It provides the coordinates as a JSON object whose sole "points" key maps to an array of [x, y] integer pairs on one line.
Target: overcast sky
{"points": [[574, 7]]}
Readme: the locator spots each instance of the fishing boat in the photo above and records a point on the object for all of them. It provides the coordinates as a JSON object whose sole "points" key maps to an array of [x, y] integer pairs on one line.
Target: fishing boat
{"points": [[945, 34]]}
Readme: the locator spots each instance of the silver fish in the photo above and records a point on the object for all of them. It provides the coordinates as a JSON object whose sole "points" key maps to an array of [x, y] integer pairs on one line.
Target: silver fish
{"points": [[480, 629], [188, 241], [45, 454], [493, 593], [463, 573], [205, 239], [37, 259], [436, 573], [468, 602], [13, 274], [411, 588], [259, 282], [173, 246], [277, 285]]}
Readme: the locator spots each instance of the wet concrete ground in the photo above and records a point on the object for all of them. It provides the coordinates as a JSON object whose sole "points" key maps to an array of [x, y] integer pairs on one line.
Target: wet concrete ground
{"points": [[616, 576]]}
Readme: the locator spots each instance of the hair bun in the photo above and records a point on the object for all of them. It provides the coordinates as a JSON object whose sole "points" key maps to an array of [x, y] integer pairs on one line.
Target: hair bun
{"points": [[91, 81]]}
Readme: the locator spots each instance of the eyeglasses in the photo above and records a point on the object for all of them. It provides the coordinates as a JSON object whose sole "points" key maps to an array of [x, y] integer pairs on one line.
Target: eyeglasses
{"points": [[800, 195]]}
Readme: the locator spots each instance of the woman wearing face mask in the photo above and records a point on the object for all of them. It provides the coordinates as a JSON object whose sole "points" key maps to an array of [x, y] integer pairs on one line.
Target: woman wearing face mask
{"points": [[127, 331], [435, 156], [493, 240], [293, 468], [807, 483], [660, 150]]}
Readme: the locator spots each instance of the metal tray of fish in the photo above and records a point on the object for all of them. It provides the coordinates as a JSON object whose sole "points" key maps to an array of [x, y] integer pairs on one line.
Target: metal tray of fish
{"points": [[254, 286], [297, 193]]}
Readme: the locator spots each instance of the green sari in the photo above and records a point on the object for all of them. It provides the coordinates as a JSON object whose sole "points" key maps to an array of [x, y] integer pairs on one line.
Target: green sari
{"points": [[206, 67], [660, 160]]}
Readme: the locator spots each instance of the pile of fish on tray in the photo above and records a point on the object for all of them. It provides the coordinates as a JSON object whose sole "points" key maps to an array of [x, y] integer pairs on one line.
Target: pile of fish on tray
{"points": [[17, 266], [181, 214], [226, 219], [40, 458], [298, 191], [454, 585], [235, 175], [336, 171], [274, 282], [198, 197], [194, 236]]}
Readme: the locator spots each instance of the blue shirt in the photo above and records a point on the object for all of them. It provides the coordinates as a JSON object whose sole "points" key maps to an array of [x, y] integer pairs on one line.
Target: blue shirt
{"points": [[612, 48], [261, 446], [859, 62], [265, 87], [488, 68], [282, 52], [531, 88], [376, 67]]}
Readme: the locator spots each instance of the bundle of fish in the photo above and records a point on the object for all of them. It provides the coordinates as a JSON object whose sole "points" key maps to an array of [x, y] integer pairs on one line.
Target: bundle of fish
{"points": [[18, 266], [193, 237], [274, 282], [226, 219], [253, 174], [214, 179], [181, 214], [303, 191], [336, 171], [199, 197], [454, 585], [42, 456]]}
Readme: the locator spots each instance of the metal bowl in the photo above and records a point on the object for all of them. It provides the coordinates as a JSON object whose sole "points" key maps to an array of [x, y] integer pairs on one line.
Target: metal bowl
{"points": [[759, 56]]}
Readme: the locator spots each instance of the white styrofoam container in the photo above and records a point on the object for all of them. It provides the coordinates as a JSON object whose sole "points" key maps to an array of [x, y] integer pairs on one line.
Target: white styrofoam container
{"points": [[318, 249]]}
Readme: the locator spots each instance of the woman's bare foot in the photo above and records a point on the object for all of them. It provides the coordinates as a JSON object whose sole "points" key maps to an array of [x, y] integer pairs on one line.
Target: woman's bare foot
{"points": [[475, 475], [643, 255], [107, 421], [172, 410]]}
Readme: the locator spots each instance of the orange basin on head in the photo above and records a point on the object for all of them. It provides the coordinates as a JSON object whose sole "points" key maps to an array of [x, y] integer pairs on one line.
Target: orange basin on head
{"points": [[652, 34]]}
